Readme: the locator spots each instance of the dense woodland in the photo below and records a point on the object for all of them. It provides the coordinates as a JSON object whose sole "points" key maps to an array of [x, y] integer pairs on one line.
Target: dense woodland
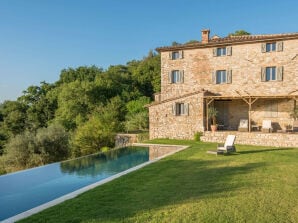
{"points": [[77, 115]]}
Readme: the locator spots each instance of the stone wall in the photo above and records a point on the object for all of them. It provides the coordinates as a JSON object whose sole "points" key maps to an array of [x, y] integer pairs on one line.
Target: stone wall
{"points": [[254, 138], [245, 62], [164, 124]]}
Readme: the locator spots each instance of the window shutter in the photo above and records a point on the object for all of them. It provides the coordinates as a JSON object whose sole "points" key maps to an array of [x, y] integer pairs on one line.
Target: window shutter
{"points": [[279, 46], [263, 74], [174, 109], [263, 47], [181, 76], [181, 54], [186, 109], [229, 76], [279, 76], [214, 77], [214, 52], [170, 77], [229, 51], [170, 55]]}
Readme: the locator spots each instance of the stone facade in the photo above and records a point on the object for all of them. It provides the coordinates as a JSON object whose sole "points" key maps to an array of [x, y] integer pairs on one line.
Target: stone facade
{"points": [[244, 63]]}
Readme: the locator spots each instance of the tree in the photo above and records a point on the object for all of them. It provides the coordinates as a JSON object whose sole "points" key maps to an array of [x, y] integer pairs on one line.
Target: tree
{"points": [[137, 118], [41, 106], [52, 143], [239, 33], [83, 73], [14, 117]]}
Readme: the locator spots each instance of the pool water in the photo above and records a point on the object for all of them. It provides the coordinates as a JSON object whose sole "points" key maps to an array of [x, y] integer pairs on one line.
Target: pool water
{"points": [[27, 189]]}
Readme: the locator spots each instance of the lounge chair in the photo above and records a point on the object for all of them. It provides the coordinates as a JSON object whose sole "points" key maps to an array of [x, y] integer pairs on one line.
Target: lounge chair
{"points": [[228, 146], [267, 126], [243, 125]]}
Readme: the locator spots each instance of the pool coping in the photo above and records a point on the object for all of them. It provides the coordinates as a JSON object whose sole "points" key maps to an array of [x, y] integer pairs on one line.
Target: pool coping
{"points": [[73, 194]]}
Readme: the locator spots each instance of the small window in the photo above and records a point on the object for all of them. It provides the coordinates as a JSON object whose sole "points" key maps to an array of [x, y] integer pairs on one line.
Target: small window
{"points": [[221, 76], [176, 76], [270, 47], [221, 51], [175, 55], [180, 109], [270, 73]]}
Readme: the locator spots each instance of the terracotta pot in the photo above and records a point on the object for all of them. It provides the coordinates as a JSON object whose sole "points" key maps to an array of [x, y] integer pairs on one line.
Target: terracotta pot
{"points": [[213, 128]]}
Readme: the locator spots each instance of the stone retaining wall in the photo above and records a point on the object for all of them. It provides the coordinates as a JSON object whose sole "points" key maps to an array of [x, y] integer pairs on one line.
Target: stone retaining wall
{"points": [[254, 138]]}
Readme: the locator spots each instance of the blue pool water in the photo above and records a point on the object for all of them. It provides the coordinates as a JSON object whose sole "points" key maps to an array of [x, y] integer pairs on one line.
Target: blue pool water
{"points": [[27, 189]]}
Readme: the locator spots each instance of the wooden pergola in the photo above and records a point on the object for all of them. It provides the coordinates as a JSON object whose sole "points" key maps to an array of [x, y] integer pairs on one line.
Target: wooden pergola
{"points": [[249, 99]]}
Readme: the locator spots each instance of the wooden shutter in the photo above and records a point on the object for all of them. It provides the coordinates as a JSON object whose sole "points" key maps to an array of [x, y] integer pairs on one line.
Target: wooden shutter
{"points": [[229, 76], [263, 74], [186, 108], [181, 76], [174, 109], [214, 52], [279, 75], [170, 78], [279, 46], [214, 77], [229, 51], [181, 54], [170, 55], [263, 47]]}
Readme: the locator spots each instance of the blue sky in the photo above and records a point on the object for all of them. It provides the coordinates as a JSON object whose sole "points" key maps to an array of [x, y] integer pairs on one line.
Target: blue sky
{"points": [[39, 38]]}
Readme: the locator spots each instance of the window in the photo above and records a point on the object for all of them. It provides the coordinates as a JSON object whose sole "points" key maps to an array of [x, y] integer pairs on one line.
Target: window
{"points": [[271, 110], [175, 55], [176, 76], [222, 51], [272, 73], [270, 47], [222, 77], [180, 109]]}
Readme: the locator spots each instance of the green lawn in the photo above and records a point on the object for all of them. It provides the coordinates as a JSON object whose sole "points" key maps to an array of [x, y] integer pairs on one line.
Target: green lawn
{"points": [[257, 184]]}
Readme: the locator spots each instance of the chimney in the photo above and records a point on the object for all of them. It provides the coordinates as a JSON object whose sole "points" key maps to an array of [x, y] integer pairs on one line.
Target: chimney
{"points": [[205, 35]]}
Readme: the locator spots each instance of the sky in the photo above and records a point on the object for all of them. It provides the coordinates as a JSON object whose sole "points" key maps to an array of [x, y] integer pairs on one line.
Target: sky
{"points": [[39, 38]]}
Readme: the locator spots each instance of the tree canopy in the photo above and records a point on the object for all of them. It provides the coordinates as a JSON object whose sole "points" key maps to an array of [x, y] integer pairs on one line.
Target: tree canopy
{"points": [[77, 115]]}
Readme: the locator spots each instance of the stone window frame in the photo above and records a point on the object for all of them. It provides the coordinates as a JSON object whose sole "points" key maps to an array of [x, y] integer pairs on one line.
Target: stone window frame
{"points": [[267, 47], [228, 76], [176, 55], [222, 51], [180, 109], [176, 76], [279, 72]]}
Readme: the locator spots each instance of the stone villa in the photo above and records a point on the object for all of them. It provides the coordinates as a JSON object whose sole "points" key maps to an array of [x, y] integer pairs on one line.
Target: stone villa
{"points": [[253, 77]]}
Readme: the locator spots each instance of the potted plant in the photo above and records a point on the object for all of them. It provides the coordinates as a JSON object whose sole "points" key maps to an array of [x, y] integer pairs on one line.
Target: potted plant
{"points": [[212, 113], [294, 114]]}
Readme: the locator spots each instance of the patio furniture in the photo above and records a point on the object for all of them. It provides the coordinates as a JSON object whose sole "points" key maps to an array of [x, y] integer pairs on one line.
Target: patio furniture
{"points": [[229, 144], [267, 126], [243, 125]]}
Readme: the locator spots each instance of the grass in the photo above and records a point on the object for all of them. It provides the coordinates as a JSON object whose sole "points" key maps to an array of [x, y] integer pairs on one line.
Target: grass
{"points": [[256, 184]]}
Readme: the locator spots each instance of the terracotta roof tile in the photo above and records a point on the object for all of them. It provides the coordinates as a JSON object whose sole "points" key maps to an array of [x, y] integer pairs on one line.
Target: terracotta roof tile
{"points": [[232, 40]]}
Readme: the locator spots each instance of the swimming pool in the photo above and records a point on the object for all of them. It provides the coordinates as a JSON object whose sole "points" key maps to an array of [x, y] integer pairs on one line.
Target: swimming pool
{"points": [[24, 190]]}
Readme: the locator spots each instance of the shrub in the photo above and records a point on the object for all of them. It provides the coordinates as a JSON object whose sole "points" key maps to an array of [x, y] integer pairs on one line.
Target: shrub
{"points": [[197, 136]]}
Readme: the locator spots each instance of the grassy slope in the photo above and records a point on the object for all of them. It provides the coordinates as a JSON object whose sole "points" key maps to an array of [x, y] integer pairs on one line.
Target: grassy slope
{"points": [[258, 184]]}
